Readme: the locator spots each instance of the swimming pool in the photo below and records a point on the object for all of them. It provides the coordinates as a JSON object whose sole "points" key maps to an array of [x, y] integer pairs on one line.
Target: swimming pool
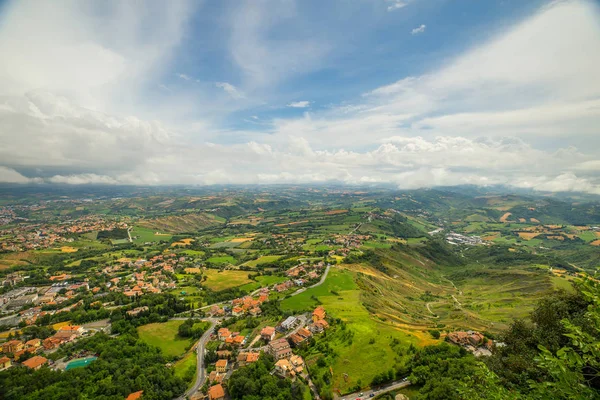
{"points": [[80, 362]]}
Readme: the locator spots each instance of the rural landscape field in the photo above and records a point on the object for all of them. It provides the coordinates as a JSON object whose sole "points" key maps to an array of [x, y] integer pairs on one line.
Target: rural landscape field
{"points": [[396, 274]]}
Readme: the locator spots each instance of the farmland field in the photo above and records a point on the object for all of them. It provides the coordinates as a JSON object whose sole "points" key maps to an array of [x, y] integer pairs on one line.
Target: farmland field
{"points": [[221, 260], [262, 260], [225, 279], [143, 235], [164, 336]]}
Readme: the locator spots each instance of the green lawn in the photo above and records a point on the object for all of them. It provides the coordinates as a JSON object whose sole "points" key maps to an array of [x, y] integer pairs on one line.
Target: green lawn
{"points": [[225, 279], [147, 235], [183, 367], [562, 283], [164, 336], [221, 260], [262, 260], [262, 281]]}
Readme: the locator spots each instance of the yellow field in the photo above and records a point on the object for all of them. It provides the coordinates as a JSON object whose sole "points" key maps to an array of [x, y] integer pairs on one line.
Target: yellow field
{"points": [[59, 325], [182, 242], [534, 220], [528, 235], [596, 243], [241, 240], [68, 249], [192, 270], [504, 218]]}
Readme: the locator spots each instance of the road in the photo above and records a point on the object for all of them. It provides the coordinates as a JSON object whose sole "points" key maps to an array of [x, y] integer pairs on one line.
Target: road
{"points": [[200, 371], [376, 392]]}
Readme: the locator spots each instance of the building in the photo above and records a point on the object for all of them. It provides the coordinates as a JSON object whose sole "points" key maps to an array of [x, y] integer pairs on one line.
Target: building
{"points": [[216, 392], [221, 366], [223, 334], [135, 395], [280, 348], [267, 333], [289, 323], [33, 345], [318, 313], [5, 363], [12, 346], [35, 362]]}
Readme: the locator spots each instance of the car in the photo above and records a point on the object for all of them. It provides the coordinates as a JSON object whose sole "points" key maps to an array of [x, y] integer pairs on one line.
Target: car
{"points": [[372, 395], [361, 394]]}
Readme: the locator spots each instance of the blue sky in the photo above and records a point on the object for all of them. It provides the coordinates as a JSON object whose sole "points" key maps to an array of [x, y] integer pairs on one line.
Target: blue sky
{"points": [[414, 93]]}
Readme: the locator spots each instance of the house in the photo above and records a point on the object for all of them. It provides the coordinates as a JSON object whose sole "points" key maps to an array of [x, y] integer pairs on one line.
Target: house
{"points": [[280, 348], [5, 363], [267, 333], [223, 334], [305, 333], [221, 366], [237, 311], [35, 362], [216, 377], [289, 323], [216, 392], [12, 346], [224, 354], [255, 311], [76, 329], [136, 311], [283, 367], [135, 395], [252, 357], [297, 340], [33, 345], [297, 364], [318, 313], [51, 343], [239, 340]]}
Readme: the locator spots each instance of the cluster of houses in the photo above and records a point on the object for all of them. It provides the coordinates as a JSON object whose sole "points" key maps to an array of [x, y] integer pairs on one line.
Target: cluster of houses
{"points": [[457, 238], [287, 364], [13, 350], [472, 341], [40, 236]]}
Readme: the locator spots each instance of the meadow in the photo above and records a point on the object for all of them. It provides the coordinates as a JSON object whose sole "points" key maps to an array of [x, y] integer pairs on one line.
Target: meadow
{"points": [[220, 280], [164, 336], [369, 351]]}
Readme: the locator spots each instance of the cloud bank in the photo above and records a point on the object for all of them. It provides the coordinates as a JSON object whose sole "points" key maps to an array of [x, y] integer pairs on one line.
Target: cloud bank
{"points": [[80, 105]]}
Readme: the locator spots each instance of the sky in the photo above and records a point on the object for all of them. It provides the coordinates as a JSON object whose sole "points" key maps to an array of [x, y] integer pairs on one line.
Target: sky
{"points": [[412, 93]]}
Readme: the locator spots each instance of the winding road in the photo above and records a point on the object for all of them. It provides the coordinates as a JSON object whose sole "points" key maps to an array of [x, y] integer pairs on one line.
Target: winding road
{"points": [[200, 370]]}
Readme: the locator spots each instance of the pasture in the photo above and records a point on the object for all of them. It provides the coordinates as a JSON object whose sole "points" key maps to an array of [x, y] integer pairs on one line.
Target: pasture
{"points": [[221, 280], [164, 336]]}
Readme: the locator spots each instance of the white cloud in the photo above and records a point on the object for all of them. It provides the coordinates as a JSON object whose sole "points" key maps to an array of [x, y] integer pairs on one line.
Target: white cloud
{"points": [[396, 4], [230, 89], [520, 109], [299, 104], [418, 30]]}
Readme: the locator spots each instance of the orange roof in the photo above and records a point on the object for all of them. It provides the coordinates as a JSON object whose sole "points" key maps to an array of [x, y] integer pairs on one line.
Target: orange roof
{"points": [[222, 363], [319, 312], [70, 328], [35, 362], [216, 392], [239, 339], [267, 330], [135, 395], [4, 360], [252, 357]]}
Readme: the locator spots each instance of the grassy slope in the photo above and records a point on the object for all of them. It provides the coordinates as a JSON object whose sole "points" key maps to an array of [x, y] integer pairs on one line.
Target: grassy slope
{"points": [[361, 359], [164, 336]]}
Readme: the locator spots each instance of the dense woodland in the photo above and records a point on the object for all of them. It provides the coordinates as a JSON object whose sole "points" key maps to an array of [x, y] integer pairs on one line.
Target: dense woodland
{"points": [[124, 365]]}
